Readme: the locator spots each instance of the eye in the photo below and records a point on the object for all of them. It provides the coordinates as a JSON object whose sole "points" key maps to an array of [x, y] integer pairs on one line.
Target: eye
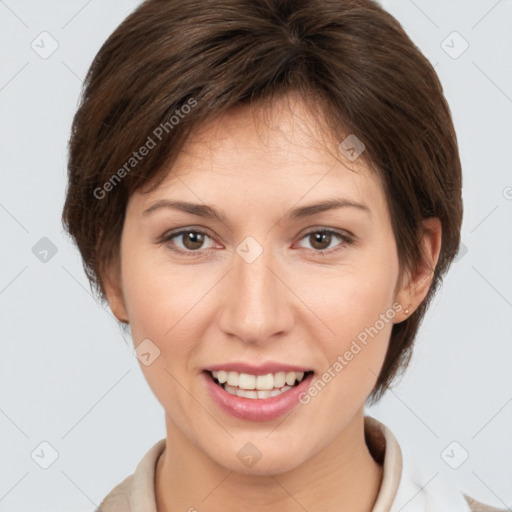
{"points": [[321, 239], [192, 240]]}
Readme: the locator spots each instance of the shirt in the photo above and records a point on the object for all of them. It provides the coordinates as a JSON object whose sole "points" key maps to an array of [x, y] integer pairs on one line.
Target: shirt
{"points": [[402, 487]]}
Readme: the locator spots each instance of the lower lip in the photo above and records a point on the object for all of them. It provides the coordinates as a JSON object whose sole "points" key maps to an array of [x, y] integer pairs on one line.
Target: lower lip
{"points": [[256, 409]]}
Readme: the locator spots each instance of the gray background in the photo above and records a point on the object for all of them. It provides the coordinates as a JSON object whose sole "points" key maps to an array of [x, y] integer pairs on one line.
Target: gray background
{"points": [[68, 376]]}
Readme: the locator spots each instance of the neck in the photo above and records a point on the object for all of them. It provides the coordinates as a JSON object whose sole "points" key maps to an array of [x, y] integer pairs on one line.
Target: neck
{"points": [[343, 477]]}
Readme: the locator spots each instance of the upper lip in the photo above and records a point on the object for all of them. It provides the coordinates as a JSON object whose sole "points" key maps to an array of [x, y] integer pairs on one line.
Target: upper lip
{"points": [[262, 369]]}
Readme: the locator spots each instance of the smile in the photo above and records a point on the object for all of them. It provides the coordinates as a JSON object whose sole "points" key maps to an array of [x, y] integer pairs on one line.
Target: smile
{"points": [[257, 386], [256, 393]]}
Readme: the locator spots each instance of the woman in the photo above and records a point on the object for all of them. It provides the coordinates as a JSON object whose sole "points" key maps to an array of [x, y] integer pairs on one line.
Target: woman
{"points": [[268, 193]]}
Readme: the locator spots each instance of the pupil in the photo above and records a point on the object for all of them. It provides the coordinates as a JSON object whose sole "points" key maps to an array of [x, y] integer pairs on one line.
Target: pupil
{"points": [[318, 238], [195, 239]]}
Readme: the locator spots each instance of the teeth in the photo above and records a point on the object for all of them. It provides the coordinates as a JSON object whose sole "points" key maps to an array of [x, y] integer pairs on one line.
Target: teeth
{"points": [[232, 378], [247, 393], [246, 381], [279, 379], [267, 382], [232, 390], [290, 378]]}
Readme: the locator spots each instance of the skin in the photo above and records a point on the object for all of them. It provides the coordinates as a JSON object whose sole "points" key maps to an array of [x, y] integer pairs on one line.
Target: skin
{"points": [[291, 304]]}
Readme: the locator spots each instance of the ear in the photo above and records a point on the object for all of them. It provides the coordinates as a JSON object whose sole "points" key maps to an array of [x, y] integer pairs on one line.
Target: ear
{"points": [[416, 283], [112, 285]]}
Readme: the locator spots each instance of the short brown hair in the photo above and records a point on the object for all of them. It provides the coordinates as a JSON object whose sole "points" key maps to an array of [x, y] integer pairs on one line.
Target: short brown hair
{"points": [[212, 55]]}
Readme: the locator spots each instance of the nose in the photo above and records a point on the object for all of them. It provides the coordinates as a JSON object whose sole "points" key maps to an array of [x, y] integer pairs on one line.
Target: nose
{"points": [[257, 305]]}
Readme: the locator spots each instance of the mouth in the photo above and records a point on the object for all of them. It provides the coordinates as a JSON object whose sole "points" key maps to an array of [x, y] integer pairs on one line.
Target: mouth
{"points": [[257, 387]]}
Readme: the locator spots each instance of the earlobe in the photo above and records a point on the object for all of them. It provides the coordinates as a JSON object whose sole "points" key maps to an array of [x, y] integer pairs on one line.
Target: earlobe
{"points": [[417, 283], [112, 286]]}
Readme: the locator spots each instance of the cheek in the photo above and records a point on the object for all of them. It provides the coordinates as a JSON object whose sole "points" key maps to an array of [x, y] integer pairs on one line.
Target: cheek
{"points": [[357, 306], [157, 303], [164, 304], [356, 298], [354, 356], [156, 298]]}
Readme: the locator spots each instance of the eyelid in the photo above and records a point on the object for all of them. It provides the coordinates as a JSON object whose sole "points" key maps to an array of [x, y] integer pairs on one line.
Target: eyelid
{"points": [[345, 238], [344, 233], [169, 235]]}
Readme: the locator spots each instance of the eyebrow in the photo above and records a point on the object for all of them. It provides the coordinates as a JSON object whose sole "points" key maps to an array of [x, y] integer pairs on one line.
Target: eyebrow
{"points": [[208, 212]]}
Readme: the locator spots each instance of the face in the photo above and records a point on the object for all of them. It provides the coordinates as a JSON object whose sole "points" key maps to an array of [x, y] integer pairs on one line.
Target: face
{"points": [[269, 287]]}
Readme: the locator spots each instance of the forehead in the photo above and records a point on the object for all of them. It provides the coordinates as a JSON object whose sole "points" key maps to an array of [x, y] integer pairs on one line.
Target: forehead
{"points": [[280, 152]]}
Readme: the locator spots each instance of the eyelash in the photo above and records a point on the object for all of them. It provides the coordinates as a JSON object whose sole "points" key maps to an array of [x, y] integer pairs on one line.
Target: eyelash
{"points": [[345, 241]]}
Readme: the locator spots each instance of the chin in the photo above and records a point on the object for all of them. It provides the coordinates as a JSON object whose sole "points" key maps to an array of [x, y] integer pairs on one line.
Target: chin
{"points": [[248, 460]]}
